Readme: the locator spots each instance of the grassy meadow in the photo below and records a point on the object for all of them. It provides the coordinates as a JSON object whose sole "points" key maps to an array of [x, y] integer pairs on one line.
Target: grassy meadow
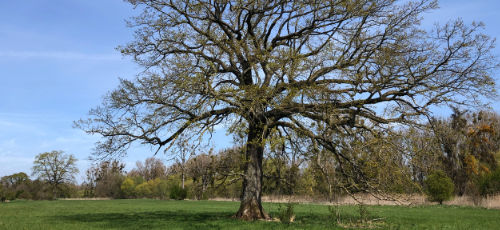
{"points": [[158, 214]]}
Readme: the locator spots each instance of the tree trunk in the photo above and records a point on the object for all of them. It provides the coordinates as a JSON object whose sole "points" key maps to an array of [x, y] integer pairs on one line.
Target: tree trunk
{"points": [[251, 206], [182, 179], [54, 191]]}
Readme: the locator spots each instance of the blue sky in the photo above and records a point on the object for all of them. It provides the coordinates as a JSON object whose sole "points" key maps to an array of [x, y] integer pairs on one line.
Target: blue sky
{"points": [[58, 58]]}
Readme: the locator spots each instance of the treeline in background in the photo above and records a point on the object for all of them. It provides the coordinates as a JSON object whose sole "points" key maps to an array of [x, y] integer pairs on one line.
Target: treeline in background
{"points": [[458, 155]]}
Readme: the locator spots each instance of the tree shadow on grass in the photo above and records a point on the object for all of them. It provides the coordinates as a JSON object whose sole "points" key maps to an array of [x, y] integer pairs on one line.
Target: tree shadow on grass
{"points": [[185, 219], [150, 220]]}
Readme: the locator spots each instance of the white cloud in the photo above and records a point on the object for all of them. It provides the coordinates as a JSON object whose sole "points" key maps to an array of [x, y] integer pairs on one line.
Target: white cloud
{"points": [[10, 127], [14, 164], [23, 136]]}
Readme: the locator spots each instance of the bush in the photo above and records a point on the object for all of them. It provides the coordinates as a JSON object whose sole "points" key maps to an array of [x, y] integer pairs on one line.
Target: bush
{"points": [[363, 213], [439, 187], [286, 214], [490, 183], [41, 191], [24, 195], [161, 191], [178, 193], [128, 188], [334, 211], [143, 190]]}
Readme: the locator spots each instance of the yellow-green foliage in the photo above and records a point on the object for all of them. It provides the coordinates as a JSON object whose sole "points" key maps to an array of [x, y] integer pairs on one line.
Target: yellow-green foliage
{"points": [[128, 187], [143, 190], [156, 188]]}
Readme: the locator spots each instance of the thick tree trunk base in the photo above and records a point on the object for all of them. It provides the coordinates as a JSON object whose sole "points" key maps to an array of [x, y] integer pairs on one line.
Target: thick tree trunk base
{"points": [[251, 206], [251, 211]]}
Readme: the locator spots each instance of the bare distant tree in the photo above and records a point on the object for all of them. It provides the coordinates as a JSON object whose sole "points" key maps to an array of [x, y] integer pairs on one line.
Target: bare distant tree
{"points": [[151, 169], [319, 70], [104, 179], [184, 152], [200, 168]]}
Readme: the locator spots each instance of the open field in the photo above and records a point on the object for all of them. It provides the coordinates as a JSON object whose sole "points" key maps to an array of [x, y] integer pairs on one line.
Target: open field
{"points": [[156, 214]]}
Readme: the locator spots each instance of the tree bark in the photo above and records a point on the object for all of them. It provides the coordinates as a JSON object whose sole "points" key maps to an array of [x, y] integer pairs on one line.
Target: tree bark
{"points": [[182, 178], [251, 205]]}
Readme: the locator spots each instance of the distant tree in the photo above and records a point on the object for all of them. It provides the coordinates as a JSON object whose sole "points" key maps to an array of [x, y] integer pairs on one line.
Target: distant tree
{"points": [[185, 151], [16, 184], [41, 190], [489, 184], [423, 150], [281, 165], [323, 169], [469, 144], [152, 168], [2, 194], [317, 70], [128, 188], [228, 168], [177, 193], [451, 134], [159, 188], [56, 168], [439, 187], [15, 179], [104, 179], [483, 139], [90, 181], [201, 170], [143, 190]]}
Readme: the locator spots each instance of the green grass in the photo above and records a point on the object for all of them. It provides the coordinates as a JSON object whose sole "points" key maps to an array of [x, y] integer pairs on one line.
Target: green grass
{"points": [[155, 214]]}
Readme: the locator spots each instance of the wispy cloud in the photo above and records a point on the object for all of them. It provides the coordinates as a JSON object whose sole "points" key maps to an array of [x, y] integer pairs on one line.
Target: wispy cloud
{"points": [[9, 128], [60, 55], [18, 149], [14, 164]]}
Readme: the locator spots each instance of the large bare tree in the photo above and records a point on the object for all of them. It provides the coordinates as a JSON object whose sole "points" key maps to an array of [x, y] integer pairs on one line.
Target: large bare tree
{"points": [[269, 69], [56, 168]]}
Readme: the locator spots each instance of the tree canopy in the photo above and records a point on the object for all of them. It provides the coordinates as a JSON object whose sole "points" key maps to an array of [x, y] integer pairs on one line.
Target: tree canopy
{"points": [[56, 168], [317, 71]]}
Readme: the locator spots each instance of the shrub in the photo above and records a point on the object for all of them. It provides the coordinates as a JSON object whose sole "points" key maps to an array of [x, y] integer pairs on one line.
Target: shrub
{"points": [[8, 195], [128, 188], [162, 190], [143, 190], [334, 211], [490, 183], [24, 195], [286, 214], [363, 213], [439, 187], [178, 193]]}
